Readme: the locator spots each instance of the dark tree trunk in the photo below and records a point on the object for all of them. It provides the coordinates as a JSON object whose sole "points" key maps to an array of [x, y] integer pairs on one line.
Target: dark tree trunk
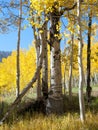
{"points": [[45, 63], [88, 89], [38, 47]]}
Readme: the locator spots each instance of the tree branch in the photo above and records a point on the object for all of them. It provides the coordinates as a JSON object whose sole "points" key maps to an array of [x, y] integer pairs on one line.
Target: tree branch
{"points": [[68, 8]]}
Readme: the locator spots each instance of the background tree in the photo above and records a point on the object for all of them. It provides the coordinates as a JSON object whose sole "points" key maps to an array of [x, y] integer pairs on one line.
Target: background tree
{"points": [[71, 67], [80, 64], [18, 52], [89, 89], [38, 47]]}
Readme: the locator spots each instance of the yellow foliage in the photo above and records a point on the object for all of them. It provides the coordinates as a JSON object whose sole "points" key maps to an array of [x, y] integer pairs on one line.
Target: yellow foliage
{"points": [[47, 5], [94, 59], [27, 69], [8, 69]]}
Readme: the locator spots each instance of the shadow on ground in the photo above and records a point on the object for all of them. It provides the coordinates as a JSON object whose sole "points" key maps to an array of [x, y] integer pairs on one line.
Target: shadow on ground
{"points": [[37, 106]]}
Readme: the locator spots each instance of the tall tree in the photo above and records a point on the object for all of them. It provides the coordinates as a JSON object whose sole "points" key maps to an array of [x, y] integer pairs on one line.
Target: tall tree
{"points": [[40, 35], [71, 67], [45, 63], [89, 89], [55, 101], [18, 52], [80, 64], [37, 46]]}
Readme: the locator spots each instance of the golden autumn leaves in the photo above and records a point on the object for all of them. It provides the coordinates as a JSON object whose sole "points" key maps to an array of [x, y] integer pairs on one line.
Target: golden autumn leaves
{"points": [[27, 68]]}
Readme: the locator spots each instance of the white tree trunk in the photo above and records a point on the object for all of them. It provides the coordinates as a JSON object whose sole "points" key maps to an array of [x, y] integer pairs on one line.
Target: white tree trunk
{"points": [[18, 53], [55, 101], [56, 84], [38, 48], [71, 66], [80, 44]]}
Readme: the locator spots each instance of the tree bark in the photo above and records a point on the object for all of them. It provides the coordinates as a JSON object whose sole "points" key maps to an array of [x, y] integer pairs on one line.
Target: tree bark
{"points": [[1, 108], [18, 52], [71, 67], [38, 48], [55, 100], [80, 45], [89, 89], [64, 79], [45, 64]]}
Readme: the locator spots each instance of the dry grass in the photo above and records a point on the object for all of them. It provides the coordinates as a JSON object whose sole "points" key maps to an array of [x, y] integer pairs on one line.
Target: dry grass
{"points": [[52, 122], [69, 121]]}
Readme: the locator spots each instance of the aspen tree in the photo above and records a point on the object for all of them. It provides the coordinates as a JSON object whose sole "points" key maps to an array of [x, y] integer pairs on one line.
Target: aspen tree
{"points": [[18, 52], [80, 64]]}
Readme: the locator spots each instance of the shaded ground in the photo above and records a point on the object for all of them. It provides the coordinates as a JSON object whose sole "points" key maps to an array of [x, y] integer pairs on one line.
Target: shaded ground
{"points": [[29, 105], [95, 93]]}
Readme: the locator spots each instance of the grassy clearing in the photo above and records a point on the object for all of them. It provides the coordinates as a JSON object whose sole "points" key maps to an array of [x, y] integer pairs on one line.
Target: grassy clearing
{"points": [[94, 88]]}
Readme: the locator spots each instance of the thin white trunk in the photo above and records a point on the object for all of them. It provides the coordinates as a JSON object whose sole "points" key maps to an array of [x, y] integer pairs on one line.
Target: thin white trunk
{"points": [[80, 45], [38, 48], [70, 69], [18, 52]]}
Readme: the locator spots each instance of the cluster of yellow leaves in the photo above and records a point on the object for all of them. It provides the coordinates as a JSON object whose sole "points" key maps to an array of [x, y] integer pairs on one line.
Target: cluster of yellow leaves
{"points": [[94, 60], [8, 69], [66, 60], [58, 26], [47, 5], [91, 1]]}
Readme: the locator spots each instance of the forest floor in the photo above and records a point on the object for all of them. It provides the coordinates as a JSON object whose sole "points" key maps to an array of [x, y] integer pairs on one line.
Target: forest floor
{"points": [[28, 120], [95, 93]]}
